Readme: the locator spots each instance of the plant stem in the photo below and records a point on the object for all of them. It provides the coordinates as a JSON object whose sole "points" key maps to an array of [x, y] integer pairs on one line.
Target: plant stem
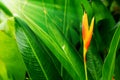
{"points": [[85, 66]]}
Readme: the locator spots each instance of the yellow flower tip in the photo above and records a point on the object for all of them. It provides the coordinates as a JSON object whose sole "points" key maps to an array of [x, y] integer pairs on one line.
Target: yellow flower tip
{"points": [[92, 25], [86, 32], [84, 25]]}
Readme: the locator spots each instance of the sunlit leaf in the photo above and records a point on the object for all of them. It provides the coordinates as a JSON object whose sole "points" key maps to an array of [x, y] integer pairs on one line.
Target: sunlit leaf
{"points": [[10, 56]]}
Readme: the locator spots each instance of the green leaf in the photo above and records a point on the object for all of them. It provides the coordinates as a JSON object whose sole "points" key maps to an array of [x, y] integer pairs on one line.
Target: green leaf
{"points": [[94, 61], [36, 58], [11, 57], [63, 51], [104, 23], [109, 63], [104, 27], [42, 24]]}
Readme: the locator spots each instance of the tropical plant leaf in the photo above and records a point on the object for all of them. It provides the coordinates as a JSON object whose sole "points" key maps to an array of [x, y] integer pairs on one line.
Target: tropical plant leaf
{"points": [[38, 62], [109, 63], [65, 54], [68, 54], [94, 62], [11, 57], [49, 33]]}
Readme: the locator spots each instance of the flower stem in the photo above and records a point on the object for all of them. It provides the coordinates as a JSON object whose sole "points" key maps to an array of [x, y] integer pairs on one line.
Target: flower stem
{"points": [[85, 66]]}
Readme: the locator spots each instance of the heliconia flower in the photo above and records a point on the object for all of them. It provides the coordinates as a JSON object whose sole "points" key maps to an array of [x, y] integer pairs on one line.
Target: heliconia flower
{"points": [[86, 35], [87, 31]]}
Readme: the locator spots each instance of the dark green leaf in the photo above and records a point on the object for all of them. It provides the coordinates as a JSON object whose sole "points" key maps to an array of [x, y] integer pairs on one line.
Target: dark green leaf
{"points": [[109, 63]]}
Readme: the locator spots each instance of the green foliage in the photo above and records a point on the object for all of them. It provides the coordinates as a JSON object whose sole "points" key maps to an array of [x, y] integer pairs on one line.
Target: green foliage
{"points": [[109, 64], [12, 66], [47, 36], [36, 58]]}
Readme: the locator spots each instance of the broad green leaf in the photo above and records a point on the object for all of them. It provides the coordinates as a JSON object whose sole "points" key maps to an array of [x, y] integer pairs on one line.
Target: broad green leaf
{"points": [[11, 57], [64, 53], [36, 58], [55, 27], [68, 57], [53, 38], [109, 63]]}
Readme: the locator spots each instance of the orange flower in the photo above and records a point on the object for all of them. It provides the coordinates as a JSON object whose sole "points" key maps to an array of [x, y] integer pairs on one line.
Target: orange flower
{"points": [[86, 35], [86, 31]]}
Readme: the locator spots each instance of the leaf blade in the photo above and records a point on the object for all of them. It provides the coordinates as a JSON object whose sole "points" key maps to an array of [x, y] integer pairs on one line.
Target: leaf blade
{"points": [[109, 64], [43, 64]]}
